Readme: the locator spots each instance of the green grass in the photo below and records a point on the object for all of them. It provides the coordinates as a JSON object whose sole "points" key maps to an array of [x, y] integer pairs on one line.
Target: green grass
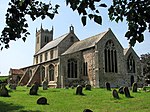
{"points": [[2, 78], [65, 100]]}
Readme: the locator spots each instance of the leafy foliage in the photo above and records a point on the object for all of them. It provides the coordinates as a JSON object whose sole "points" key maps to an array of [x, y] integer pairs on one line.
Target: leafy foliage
{"points": [[85, 6], [145, 59], [16, 23], [136, 13]]}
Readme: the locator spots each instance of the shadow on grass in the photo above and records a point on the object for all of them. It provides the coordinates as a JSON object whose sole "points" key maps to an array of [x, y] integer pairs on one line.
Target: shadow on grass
{"points": [[6, 107]]}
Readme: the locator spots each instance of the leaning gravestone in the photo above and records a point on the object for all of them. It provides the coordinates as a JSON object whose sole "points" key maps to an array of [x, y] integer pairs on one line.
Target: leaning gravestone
{"points": [[115, 94], [42, 101], [88, 87], [134, 87], [4, 91], [108, 86], [126, 92], [87, 110], [34, 89], [121, 90], [79, 90], [45, 85]]}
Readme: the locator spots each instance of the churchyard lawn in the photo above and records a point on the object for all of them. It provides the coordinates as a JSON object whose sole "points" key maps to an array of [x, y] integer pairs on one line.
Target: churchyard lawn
{"points": [[65, 100]]}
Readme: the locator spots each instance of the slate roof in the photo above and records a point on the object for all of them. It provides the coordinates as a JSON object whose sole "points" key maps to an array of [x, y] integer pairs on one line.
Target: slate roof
{"points": [[52, 44], [85, 44]]}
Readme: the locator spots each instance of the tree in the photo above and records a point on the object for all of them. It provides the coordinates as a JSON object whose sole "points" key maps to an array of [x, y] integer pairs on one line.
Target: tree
{"points": [[145, 59], [136, 13]]}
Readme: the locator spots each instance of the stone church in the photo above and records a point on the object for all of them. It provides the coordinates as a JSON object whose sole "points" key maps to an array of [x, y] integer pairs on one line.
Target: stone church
{"points": [[67, 61]]}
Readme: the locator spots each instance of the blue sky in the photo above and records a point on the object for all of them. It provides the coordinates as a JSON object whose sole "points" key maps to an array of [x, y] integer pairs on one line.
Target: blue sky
{"points": [[20, 54]]}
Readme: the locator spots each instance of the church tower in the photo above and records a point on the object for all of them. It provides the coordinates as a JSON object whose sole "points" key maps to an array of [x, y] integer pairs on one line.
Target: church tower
{"points": [[42, 38]]}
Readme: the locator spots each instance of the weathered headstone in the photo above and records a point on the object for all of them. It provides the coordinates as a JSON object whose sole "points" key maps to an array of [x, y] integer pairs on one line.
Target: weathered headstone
{"points": [[134, 87], [4, 91], [121, 90], [45, 85], [108, 86], [34, 89], [13, 86], [115, 94], [42, 101], [79, 90], [72, 87], [126, 92], [87, 110], [66, 87], [88, 87]]}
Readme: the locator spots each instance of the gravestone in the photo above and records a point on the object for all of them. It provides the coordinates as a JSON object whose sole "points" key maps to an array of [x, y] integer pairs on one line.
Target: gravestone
{"points": [[13, 86], [4, 91], [126, 92], [108, 86], [79, 90], [72, 87], [45, 85], [42, 101], [121, 90], [66, 87], [134, 87], [87, 110], [34, 89], [88, 87], [115, 94]]}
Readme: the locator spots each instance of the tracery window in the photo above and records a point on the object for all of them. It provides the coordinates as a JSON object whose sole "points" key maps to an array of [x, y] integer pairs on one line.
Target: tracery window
{"points": [[72, 68], [130, 64], [110, 55]]}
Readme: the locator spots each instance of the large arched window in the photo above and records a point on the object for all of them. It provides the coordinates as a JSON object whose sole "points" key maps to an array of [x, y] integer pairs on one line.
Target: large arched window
{"points": [[130, 64], [51, 72], [110, 55], [72, 68]]}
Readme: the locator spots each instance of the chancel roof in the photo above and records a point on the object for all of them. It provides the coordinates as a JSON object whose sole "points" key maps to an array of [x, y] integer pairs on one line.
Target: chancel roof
{"points": [[85, 44], [52, 44]]}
